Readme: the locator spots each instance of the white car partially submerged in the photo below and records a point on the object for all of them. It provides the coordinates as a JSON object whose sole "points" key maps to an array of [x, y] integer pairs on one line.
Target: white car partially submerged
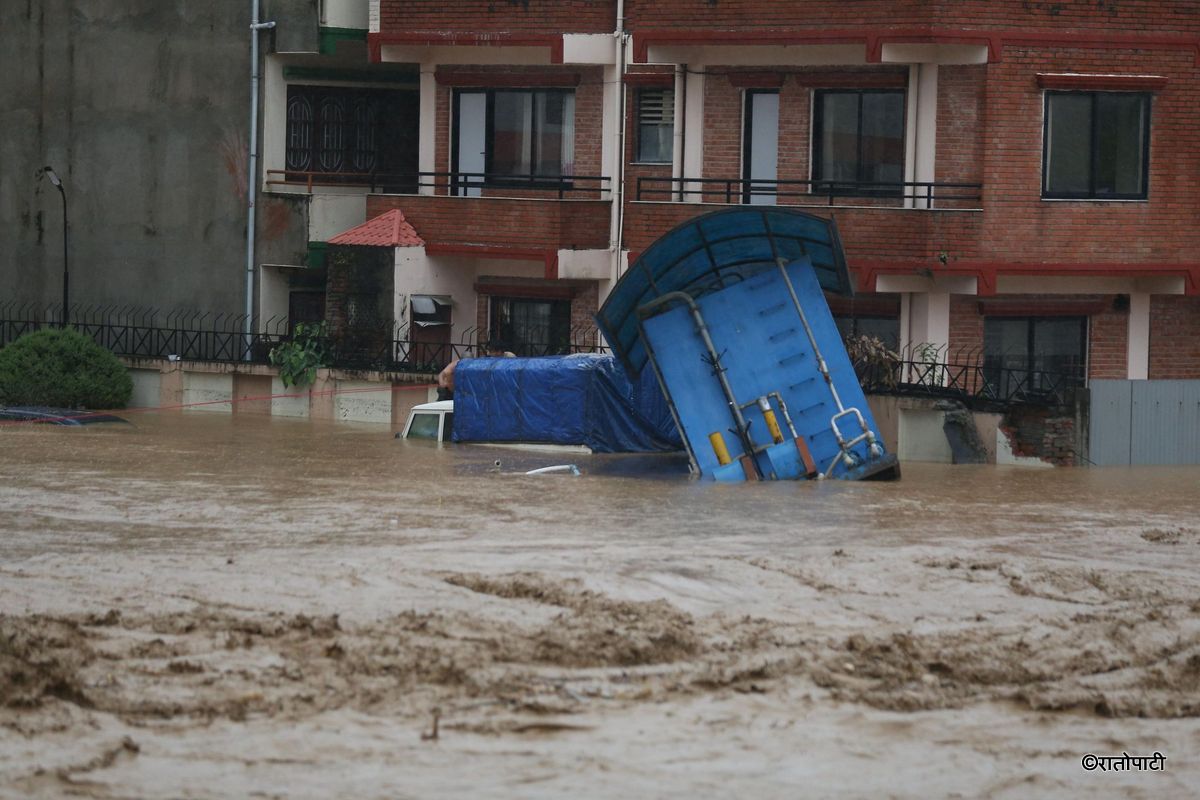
{"points": [[433, 421]]}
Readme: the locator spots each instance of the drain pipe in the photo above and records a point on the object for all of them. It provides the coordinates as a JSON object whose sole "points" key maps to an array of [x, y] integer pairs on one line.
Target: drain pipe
{"points": [[617, 219], [252, 170]]}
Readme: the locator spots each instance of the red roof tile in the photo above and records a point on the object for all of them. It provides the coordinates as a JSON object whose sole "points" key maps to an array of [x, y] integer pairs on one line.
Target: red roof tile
{"points": [[389, 229]]}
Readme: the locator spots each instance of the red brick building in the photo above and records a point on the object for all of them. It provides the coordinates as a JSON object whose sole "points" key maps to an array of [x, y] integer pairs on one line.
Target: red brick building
{"points": [[1011, 179]]}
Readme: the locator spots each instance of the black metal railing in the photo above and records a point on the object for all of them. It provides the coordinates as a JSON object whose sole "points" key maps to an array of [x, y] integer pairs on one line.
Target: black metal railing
{"points": [[142, 332], [923, 194], [970, 375], [462, 184]]}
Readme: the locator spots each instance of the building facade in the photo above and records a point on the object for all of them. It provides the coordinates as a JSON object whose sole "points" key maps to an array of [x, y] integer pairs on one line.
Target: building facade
{"points": [[1014, 182]]}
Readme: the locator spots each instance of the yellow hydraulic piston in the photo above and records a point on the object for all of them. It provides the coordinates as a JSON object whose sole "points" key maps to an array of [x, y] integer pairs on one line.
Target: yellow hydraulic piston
{"points": [[764, 405], [718, 445]]}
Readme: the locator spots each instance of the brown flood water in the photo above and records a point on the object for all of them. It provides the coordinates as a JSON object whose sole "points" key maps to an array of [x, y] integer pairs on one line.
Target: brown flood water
{"points": [[199, 605]]}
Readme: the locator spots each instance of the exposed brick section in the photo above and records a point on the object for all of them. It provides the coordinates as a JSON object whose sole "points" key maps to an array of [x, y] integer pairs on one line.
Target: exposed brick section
{"points": [[872, 237], [966, 325], [495, 222], [1019, 225], [961, 122], [1103, 16], [1108, 345], [1040, 433], [1174, 337], [511, 16]]}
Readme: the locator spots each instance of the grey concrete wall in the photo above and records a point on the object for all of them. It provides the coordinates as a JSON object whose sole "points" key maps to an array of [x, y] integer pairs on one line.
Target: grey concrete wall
{"points": [[142, 107]]}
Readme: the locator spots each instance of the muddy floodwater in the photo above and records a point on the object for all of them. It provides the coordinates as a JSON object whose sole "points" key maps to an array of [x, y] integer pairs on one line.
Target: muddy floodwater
{"points": [[197, 605]]}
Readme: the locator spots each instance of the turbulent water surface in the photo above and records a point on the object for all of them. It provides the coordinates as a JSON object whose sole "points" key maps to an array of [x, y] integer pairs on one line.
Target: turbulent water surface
{"points": [[198, 605]]}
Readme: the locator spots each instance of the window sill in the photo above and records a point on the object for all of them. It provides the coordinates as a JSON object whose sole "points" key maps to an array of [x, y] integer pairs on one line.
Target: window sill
{"points": [[651, 163], [1095, 199]]}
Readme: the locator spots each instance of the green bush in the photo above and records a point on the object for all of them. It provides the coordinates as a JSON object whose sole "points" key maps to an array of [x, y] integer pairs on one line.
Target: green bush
{"points": [[299, 359], [62, 368]]}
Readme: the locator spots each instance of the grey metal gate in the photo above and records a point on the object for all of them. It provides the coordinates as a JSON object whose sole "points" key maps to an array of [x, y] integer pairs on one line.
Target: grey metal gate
{"points": [[1144, 422]]}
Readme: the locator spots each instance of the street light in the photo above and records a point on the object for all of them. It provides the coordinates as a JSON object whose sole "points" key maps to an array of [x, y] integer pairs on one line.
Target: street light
{"points": [[58, 184]]}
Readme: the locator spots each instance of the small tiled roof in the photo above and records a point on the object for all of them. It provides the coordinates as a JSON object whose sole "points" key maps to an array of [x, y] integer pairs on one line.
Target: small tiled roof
{"points": [[389, 229]]}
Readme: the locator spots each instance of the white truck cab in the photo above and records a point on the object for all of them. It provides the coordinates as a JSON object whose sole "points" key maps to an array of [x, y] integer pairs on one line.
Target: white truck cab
{"points": [[434, 421]]}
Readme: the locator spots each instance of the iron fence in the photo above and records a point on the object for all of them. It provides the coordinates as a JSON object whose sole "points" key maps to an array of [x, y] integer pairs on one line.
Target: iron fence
{"points": [[144, 332], [971, 376]]}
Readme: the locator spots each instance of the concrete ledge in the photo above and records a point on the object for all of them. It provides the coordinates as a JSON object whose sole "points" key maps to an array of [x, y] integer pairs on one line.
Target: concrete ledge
{"points": [[370, 396]]}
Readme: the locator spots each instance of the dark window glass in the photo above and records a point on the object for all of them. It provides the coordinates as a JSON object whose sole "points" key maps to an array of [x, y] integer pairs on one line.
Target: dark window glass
{"points": [[656, 125], [531, 327], [1034, 355], [1096, 145], [530, 134], [859, 139]]}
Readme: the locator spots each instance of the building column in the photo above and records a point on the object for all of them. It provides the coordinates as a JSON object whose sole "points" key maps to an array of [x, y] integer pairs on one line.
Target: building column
{"points": [[922, 129], [925, 319], [427, 135], [693, 132], [1138, 349]]}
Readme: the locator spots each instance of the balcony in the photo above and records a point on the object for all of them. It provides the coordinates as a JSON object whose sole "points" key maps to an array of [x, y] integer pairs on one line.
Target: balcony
{"points": [[884, 227], [909, 194], [459, 184]]}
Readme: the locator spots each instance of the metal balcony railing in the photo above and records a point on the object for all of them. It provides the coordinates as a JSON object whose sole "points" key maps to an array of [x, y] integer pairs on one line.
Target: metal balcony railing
{"points": [[461, 184], [971, 376], [917, 194]]}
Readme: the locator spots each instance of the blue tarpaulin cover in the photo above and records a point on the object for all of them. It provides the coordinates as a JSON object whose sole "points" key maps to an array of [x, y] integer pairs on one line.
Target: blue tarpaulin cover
{"points": [[579, 399]]}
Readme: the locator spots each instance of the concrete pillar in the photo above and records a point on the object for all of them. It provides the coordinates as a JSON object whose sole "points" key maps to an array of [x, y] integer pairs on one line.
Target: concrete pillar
{"points": [[427, 132], [1138, 351], [928, 319], [609, 127], [693, 134], [922, 129]]}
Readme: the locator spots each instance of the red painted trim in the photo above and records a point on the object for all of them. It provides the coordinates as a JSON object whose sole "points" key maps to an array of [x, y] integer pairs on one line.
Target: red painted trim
{"points": [[656, 79], [874, 41], [755, 80], [503, 79], [526, 290], [1042, 308], [554, 41], [1076, 80], [548, 257], [986, 272]]}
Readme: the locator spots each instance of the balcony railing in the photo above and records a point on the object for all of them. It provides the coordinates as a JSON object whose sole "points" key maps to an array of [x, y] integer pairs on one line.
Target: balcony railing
{"points": [[463, 184], [918, 194], [969, 375]]}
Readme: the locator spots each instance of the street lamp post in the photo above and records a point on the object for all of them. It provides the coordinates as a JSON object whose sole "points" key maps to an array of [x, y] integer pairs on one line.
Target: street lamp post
{"points": [[57, 181]]}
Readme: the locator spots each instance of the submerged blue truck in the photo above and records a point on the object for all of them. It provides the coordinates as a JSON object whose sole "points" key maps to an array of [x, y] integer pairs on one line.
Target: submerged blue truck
{"points": [[724, 344], [728, 310]]}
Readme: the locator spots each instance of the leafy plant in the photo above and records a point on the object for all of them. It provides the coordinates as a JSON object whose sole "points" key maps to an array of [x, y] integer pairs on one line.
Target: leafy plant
{"points": [[63, 368], [299, 359]]}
